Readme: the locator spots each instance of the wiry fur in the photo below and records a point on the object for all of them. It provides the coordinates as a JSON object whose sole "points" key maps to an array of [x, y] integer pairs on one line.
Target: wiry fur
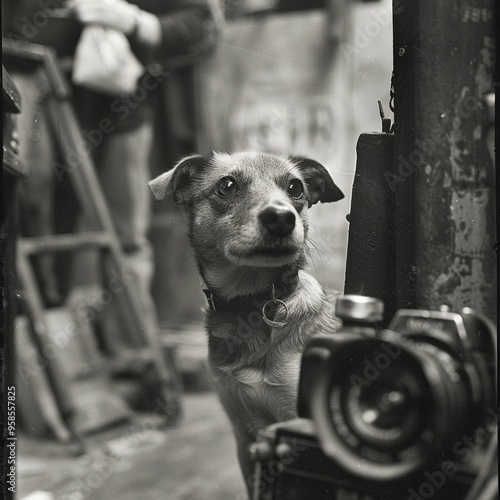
{"points": [[255, 368]]}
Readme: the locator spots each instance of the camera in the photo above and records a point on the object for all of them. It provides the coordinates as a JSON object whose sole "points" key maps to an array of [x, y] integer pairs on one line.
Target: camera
{"points": [[404, 412]]}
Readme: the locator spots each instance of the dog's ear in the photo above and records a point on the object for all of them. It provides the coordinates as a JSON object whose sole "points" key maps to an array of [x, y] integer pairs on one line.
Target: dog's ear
{"points": [[178, 180], [319, 183]]}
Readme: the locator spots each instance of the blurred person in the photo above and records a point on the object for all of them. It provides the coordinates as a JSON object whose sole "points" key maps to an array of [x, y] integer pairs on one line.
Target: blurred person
{"points": [[118, 129]]}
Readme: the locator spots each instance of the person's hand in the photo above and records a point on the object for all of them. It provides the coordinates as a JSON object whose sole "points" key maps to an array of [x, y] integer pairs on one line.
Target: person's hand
{"points": [[117, 14]]}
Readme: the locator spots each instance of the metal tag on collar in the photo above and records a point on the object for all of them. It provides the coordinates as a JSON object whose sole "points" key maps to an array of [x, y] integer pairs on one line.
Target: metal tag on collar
{"points": [[210, 299], [275, 301]]}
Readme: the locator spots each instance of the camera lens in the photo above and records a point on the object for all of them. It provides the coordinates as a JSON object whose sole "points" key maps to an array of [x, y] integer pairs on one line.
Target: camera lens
{"points": [[385, 414], [392, 405]]}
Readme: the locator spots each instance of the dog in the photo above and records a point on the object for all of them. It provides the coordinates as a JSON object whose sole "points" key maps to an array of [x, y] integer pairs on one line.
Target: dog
{"points": [[247, 225]]}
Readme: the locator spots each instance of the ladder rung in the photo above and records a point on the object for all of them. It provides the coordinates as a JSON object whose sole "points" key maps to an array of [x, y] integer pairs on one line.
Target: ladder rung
{"points": [[63, 242]]}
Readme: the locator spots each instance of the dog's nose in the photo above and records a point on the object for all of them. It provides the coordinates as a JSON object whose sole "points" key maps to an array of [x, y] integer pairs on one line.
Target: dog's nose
{"points": [[279, 221]]}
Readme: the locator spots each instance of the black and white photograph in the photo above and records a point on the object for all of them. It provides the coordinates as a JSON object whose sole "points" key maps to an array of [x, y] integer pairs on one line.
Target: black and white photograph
{"points": [[249, 250]]}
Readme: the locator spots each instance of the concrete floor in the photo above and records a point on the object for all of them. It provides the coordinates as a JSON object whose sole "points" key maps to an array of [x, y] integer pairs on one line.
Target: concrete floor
{"points": [[195, 460]]}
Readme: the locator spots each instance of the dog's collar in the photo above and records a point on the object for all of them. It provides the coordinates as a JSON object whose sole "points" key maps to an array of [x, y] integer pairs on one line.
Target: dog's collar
{"points": [[243, 302], [259, 302]]}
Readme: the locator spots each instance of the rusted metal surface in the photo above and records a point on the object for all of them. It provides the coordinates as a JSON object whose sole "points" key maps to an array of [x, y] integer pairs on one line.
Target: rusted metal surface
{"points": [[449, 159]]}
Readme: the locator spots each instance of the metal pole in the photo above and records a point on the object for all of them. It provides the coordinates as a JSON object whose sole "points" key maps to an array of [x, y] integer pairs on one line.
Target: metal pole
{"points": [[443, 62]]}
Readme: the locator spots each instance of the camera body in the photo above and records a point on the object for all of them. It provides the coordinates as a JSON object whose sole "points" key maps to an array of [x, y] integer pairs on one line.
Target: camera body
{"points": [[405, 412]]}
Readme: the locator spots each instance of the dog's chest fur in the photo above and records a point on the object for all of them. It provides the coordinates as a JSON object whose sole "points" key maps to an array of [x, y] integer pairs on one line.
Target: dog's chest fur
{"points": [[255, 367]]}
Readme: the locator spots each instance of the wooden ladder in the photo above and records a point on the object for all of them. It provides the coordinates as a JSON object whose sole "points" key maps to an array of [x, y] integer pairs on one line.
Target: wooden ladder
{"points": [[82, 175]]}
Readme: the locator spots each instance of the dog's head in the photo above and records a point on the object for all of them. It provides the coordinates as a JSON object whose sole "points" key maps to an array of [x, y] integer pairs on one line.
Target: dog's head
{"points": [[248, 209]]}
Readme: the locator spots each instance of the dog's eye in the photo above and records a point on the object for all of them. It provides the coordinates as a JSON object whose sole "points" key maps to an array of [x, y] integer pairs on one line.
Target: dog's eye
{"points": [[295, 188], [227, 186]]}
